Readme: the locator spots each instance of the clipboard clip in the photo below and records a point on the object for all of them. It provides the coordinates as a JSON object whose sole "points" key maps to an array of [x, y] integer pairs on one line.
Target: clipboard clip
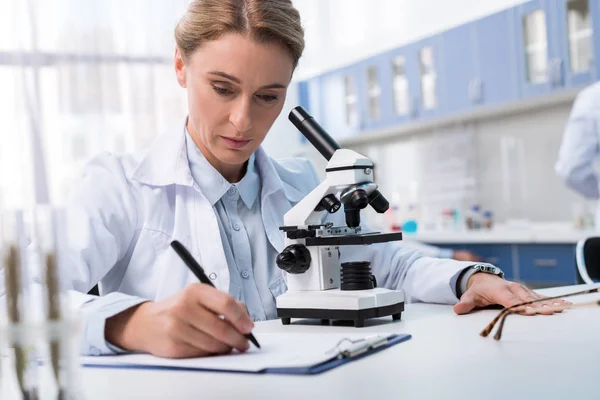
{"points": [[360, 346]]}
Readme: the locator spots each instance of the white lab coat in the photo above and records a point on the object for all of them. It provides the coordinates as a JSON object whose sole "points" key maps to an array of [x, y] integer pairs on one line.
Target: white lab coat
{"points": [[580, 146]]}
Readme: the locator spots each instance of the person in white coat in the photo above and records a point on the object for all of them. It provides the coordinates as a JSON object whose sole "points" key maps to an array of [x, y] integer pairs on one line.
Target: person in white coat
{"points": [[580, 147], [209, 184]]}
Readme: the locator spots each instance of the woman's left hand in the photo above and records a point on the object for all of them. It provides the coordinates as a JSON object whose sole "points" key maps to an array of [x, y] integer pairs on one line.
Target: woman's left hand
{"points": [[486, 289]]}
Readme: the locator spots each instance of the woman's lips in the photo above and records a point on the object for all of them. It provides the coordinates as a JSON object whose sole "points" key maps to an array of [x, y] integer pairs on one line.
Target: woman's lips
{"points": [[235, 143]]}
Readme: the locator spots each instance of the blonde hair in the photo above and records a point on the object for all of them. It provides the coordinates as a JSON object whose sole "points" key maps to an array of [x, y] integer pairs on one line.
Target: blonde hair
{"points": [[266, 21]]}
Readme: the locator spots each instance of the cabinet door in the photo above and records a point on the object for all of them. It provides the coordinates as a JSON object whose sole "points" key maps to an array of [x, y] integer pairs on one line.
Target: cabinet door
{"points": [[403, 87], [538, 58], [547, 264], [576, 23], [459, 63], [376, 104], [431, 76], [496, 71], [341, 109]]}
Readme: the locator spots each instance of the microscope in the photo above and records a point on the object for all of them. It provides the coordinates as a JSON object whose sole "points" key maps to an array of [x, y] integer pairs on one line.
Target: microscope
{"points": [[319, 286]]}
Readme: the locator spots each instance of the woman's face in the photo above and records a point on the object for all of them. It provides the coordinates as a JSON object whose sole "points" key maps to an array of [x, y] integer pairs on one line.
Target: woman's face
{"points": [[236, 89]]}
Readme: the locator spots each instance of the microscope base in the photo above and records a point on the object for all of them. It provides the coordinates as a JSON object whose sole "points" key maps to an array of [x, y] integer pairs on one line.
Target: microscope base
{"points": [[328, 305]]}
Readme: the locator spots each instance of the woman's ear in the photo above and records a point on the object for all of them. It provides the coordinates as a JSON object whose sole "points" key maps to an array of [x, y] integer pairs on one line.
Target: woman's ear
{"points": [[180, 68]]}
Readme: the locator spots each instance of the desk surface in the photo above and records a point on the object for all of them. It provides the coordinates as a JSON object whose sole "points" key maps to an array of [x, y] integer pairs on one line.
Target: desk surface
{"points": [[539, 357]]}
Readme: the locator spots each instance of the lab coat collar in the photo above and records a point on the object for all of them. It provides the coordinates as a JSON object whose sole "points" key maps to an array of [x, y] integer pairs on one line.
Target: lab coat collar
{"points": [[166, 162]]}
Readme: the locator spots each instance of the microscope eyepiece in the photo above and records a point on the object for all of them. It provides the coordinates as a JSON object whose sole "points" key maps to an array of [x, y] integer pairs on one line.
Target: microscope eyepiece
{"points": [[330, 203], [315, 134]]}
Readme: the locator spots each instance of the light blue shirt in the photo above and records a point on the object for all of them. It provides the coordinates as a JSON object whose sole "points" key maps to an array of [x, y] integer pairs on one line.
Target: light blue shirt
{"points": [[251, 262]]}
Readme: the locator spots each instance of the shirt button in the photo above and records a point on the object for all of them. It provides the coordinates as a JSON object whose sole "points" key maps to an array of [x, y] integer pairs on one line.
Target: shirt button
{"points": [[245, 274], [231, 190], [236, 227], [212, 276]]}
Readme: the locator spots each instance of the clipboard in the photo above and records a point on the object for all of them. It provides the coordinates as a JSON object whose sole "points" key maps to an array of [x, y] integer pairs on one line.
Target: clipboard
{"points": [[345, 352]]}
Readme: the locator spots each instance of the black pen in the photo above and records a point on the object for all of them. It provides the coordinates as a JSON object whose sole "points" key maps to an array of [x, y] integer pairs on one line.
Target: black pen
{"points": [[193, 265]]}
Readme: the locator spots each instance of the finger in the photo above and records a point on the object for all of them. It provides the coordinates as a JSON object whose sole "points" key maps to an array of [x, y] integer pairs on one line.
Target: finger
{"points": [[217, 328], [178, 349], [526, 294], [223, 304], [467, 303], [189, 335]]}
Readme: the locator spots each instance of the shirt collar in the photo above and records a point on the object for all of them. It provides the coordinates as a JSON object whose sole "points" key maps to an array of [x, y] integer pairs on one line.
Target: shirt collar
{"points": [[212, 184]]}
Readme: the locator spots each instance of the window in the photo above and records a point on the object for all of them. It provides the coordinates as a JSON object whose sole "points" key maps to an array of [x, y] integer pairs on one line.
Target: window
{"points": [[580, 35], [351, 101], [78, 147], [536, 47], [400, 83], [428, 78], [374, 92], [89, 88]]}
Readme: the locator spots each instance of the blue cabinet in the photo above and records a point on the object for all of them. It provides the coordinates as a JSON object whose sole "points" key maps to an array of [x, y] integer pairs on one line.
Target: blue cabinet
{"points": [[552, 264], [534, 264], [495, 64], [460, 68], [530, 50], [538, 53], [577, 26]]}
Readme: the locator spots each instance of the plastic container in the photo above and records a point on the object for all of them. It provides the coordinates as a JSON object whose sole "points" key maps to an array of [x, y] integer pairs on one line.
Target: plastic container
{"points": [[488, 219], [473, 219], [410, 224]]}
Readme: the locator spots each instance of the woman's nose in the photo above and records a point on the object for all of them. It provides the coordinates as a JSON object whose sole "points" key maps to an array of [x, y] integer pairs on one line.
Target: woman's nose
{"points": [[240, 116]]}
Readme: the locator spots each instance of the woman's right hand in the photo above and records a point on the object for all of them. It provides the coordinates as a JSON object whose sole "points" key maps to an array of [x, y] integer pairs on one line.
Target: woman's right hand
{"points": [[188, 324]]}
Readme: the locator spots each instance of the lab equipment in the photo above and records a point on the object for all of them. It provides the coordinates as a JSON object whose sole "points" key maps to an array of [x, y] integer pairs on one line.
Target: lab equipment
{"points": [[197, 270], [488, 219], [474, 218], [14, 263], [59, 325], [318, 285], [411, 224]]}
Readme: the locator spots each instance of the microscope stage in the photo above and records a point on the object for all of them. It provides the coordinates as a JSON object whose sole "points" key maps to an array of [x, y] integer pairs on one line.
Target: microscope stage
{"points": [[336, 304]]}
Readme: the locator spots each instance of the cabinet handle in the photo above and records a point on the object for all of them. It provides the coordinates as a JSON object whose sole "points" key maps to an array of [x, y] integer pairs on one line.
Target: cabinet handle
{"points": [[545, 262], [475, 90], [556, 72]]}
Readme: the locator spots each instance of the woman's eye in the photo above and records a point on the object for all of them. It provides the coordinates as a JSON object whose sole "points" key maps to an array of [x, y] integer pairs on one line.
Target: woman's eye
{"points": [[222, 91], [267, 98]]}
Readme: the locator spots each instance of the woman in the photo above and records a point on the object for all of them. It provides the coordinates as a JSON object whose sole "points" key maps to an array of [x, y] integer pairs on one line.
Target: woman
{"points": [[208, 184]]}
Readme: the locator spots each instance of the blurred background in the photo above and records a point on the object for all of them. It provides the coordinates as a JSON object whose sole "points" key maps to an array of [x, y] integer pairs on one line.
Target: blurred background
{"points": [[461, 104]]}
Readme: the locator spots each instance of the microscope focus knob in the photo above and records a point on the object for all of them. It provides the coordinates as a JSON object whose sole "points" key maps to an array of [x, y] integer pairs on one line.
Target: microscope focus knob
{"points": [[294, 259]]}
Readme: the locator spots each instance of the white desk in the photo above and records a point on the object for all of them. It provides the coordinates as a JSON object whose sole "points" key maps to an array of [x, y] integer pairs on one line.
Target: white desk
{"points": [[539, 357]]}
